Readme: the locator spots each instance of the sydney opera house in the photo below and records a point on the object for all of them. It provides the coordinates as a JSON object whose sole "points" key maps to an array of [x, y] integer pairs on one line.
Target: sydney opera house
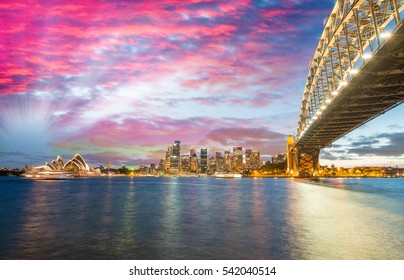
{"points": [[58, 169]]}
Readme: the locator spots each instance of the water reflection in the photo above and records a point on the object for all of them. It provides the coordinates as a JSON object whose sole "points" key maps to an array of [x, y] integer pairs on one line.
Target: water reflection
{"points": [[335, 224], [202, 218]]}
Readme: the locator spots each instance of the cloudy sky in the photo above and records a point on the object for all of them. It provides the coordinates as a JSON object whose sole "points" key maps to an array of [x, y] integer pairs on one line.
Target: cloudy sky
{"points": [[121, 80]]}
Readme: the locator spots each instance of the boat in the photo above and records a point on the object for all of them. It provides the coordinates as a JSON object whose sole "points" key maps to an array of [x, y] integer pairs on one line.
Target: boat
{"points": [[227, 175]]}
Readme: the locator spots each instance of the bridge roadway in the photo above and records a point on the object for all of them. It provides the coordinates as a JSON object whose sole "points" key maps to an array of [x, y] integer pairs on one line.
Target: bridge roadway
{"points": [[376, 88]]}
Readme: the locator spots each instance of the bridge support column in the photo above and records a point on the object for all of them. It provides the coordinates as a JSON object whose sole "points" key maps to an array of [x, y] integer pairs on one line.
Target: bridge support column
{"points": [[308, 162], [291, 156]]}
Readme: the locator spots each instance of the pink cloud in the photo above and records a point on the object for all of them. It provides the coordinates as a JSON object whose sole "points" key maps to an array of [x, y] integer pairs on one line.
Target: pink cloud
{"points": [[262, 139], [85, 57]]}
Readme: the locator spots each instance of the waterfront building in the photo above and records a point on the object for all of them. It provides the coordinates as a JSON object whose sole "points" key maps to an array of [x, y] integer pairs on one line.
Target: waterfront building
{"points": [[227, 161], [175, 157], [219, 162], [238, 159], [77, 163], [193, 164], [204, 161], [185, 164], [279, 158], [76, 166], [162, 165], [167, 161], [248, 159], [256, 161]]}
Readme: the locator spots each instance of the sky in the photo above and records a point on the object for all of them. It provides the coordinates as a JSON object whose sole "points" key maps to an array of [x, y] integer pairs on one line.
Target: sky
{"points": [[119, 81]]}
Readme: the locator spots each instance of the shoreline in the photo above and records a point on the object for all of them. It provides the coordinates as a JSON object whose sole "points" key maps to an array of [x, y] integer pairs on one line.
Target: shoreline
{"points": [[209, 176]]}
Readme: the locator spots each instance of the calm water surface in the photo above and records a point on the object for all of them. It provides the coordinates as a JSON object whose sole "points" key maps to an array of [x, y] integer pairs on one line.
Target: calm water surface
{"points": [[201, 218]]}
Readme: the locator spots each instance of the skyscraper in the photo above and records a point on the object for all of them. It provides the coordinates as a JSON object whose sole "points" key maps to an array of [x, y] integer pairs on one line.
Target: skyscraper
{"points": [[175, 158], [193, 160], [168, 159], [248, 159], [256, 160], [227, 161], [204, 160], [238, 158], [219, 162], [184, 166]]}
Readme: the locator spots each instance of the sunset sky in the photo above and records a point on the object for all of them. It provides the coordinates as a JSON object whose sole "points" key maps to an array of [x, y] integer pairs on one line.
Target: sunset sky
{"points": [[119, 81]]}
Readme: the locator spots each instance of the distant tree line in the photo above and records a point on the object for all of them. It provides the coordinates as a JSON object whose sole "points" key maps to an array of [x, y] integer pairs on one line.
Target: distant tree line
{"points": [[11, 172]]}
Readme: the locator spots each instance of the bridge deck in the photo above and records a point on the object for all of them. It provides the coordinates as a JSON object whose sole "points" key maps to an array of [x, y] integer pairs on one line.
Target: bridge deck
{"points": [[376, 88]]}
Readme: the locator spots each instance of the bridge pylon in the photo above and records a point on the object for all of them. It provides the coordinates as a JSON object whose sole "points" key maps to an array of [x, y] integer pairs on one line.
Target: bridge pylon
{"points": [[301, 162], [308, 162], [291, 157]]}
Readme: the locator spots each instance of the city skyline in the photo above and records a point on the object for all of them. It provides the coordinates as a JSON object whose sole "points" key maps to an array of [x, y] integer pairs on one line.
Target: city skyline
{"points": [[116, 85]]}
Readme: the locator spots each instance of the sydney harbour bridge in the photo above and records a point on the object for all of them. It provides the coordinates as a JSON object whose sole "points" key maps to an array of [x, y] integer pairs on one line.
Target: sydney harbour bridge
{"points": [[356, 74]]}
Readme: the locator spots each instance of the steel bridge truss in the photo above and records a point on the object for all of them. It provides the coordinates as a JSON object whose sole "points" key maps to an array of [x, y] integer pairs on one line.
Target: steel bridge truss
{"points": [[356, 74]]}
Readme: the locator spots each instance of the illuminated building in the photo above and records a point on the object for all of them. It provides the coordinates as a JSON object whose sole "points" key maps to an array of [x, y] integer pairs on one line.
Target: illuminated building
{"points": [[162, 164], [248, 159], [173, 158], [219, 162], [167, 161], [204, 160], [185, 163], [256, 162], [238, 158], [77, 163], [193, 161], [227, 161], [77, 166], [279, 158]]}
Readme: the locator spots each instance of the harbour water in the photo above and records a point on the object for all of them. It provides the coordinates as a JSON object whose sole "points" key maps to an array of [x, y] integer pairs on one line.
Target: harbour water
{"points": [[201, 218]]}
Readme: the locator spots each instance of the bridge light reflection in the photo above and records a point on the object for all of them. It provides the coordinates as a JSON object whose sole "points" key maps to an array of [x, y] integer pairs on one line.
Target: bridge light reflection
{"points": [[328, 101], [343, 83], [335, 92], [323, 107]]}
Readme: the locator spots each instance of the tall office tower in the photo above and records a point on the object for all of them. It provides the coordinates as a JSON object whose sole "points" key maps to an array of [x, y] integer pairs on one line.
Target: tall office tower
{"points": [[238, 158], [185, 164], [168, 157], [248, 159], [211, 165], [175, 158], [162, 165], [219, 162], [204, 160], [227, 161], [193, 161], [256, 160]]}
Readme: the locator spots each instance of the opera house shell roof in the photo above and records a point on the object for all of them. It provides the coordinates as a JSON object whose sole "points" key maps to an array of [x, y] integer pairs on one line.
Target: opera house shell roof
{"points": [[77, 163]]}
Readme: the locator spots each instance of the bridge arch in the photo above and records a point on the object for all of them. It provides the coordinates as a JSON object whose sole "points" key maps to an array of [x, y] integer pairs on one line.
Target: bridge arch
{"points": [[356, 74]]}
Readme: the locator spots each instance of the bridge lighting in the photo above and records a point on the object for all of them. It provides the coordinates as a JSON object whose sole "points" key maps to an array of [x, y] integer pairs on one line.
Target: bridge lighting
{"points": [[343, 83], [335, 92], [315, 118], [318, 113], [385, 35], [367, 55], [323, 107], [354, 71], [328, 101]]}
